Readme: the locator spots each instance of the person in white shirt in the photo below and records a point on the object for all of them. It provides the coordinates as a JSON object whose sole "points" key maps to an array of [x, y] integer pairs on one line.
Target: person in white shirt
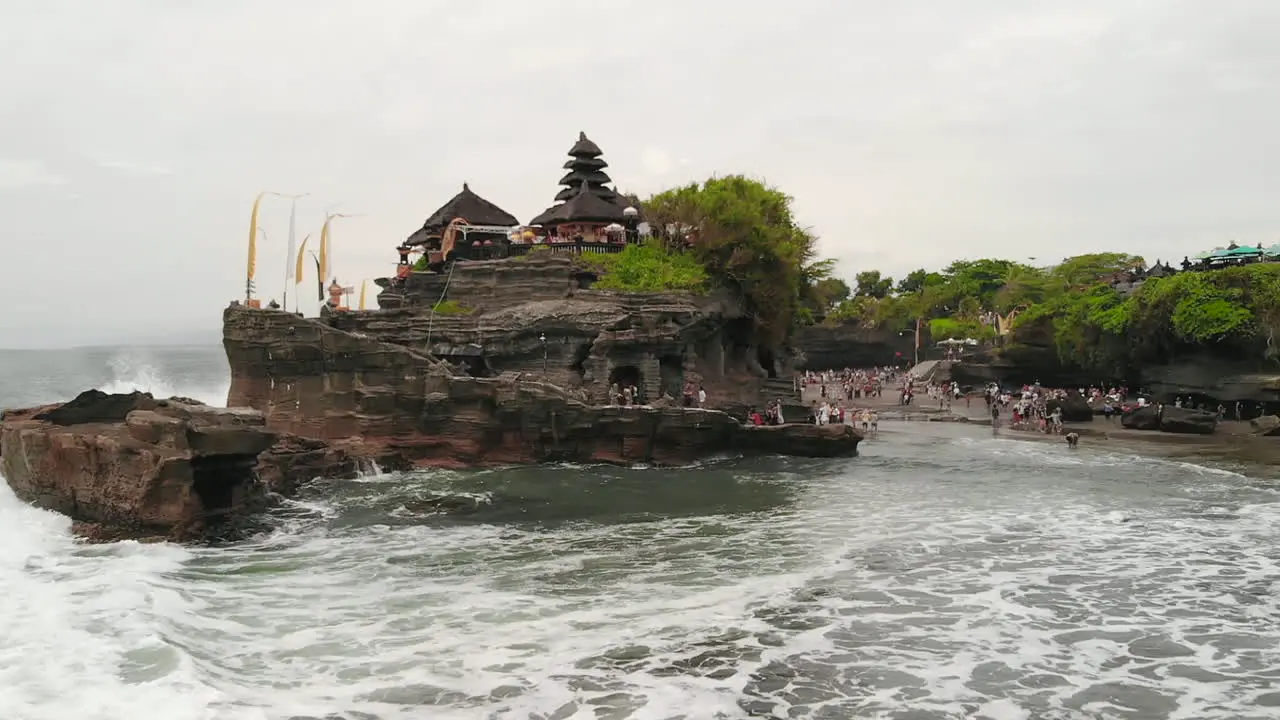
{"points": [[702, 396]]}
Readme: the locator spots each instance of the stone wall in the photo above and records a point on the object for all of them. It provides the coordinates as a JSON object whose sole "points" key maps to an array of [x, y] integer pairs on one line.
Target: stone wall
{"points": [[489, 284]]}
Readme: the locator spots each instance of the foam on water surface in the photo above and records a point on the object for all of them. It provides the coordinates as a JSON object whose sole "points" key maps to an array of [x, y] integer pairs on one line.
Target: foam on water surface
{"points": [[944, 574]]}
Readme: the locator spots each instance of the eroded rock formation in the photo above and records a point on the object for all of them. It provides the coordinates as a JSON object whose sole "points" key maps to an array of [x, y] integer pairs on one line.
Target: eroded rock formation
{"points": [[500, 311], [134, 466], [1171, 419], [339, 379]]}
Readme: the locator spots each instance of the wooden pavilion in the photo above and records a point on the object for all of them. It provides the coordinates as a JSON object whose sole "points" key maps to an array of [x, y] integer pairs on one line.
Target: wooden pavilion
{"points": [[477, 228]]}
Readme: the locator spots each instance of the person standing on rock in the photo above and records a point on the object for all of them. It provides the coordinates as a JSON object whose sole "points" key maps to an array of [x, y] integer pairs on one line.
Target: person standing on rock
{"points": [[702, 396]]}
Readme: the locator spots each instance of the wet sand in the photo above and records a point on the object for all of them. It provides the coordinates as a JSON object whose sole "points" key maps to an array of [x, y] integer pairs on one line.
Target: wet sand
{"points": [[1233, 442]]}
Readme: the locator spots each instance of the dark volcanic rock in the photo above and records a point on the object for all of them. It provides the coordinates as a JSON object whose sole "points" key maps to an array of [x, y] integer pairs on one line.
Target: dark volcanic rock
{"points": [[1185, 421], [1143, 418], [131, 466], [317, 381], [1220, 380], [1267, 425], [1074, 408], [95, 406], [1171, 419]]}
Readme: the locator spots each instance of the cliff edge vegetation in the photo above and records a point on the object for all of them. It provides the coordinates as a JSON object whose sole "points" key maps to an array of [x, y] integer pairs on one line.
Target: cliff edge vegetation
{"points": [[1092, 311], [729, 232]]}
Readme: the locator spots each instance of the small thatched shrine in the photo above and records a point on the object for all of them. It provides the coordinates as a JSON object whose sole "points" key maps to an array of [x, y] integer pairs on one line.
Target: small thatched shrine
{"points": [[466, 210]]}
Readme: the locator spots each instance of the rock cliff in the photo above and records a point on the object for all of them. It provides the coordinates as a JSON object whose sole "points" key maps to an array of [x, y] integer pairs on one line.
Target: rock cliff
{"points": [[338, 378], [134, 466], [500, 312], [850, 345]]}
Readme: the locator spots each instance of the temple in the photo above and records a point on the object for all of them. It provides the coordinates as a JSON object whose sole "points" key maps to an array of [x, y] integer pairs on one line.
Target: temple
{"points": [[589, 216]]}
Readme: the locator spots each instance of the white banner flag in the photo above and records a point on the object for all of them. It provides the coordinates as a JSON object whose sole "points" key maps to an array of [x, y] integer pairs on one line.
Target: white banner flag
{"points": [[293, 242]]}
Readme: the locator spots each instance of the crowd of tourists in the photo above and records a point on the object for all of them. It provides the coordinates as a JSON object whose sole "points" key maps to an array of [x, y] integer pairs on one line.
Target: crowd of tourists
{"points": [[848, 384]]}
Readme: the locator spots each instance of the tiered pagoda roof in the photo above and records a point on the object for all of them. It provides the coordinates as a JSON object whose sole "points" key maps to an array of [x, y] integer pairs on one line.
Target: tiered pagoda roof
{"points": [[584, 206], [586, 175], [467, 205]]}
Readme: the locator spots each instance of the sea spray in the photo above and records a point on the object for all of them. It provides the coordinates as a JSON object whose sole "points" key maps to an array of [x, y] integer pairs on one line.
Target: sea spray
{"points": [[138, 371]]}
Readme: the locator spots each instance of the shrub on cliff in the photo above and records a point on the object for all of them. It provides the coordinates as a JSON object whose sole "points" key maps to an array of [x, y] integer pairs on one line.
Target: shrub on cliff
{"points": [[451, 307], [650, 267], [1233, 312], [743, 233]]}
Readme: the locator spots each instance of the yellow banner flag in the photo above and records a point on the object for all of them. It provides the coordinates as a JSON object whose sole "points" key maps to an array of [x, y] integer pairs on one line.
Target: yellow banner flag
{"points": [[302, 252], [253, 237], [324, 249]]}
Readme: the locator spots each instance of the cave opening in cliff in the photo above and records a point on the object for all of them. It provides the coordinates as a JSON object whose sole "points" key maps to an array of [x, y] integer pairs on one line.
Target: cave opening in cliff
{"points": [[625, 375], [766, 358], [580, 355], [215, 479], [671, 373], [478, 367]]}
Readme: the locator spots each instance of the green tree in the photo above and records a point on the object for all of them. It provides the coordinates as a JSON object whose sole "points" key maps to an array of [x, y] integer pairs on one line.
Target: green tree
{"points": [[914, 282], [744, 234], [871, 284], [1084, 271], [829, 292]]}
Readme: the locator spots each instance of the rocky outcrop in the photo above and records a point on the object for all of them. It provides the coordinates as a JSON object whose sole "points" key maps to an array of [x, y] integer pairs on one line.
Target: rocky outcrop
{"points": [[1266, 425], [315, 379], [1220, 381], [1074, 408], [134, 466], [538, 314], [850, 345], [1170, 419]]}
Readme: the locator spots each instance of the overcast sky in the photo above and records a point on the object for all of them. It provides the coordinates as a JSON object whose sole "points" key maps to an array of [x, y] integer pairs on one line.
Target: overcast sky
{"points": [[134, 134]]}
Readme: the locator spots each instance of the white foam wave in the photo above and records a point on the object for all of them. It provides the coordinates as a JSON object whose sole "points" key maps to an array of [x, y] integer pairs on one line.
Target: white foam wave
{"points": [[78, 630], [139, 371], [983, 583]]}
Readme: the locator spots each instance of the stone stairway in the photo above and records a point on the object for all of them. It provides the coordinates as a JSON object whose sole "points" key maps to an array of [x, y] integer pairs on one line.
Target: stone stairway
{"points": [[925, 371], [793, 410], [779, 388]]}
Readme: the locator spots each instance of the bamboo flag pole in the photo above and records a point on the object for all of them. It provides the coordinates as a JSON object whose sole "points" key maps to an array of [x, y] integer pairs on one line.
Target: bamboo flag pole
{"points": [[297, 270], [252, 268]]}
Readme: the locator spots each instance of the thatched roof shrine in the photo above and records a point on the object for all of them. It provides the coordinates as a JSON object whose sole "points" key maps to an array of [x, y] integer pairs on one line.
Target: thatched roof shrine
{"points": [[467, 205]]}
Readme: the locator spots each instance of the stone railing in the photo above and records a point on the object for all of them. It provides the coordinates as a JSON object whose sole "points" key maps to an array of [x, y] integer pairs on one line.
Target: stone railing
{"points": [[569, 248]]}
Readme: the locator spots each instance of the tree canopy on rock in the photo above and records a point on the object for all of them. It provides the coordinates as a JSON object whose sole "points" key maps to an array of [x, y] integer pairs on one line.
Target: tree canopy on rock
{"points": [[745, 235]]}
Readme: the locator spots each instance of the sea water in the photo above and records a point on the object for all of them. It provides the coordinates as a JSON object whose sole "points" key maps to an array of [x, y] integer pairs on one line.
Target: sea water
{"points": [[946, 573]]}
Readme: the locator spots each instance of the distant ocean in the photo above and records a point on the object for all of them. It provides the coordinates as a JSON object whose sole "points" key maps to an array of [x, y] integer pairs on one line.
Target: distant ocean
{"points": [[944, 574], [29, 377]]}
